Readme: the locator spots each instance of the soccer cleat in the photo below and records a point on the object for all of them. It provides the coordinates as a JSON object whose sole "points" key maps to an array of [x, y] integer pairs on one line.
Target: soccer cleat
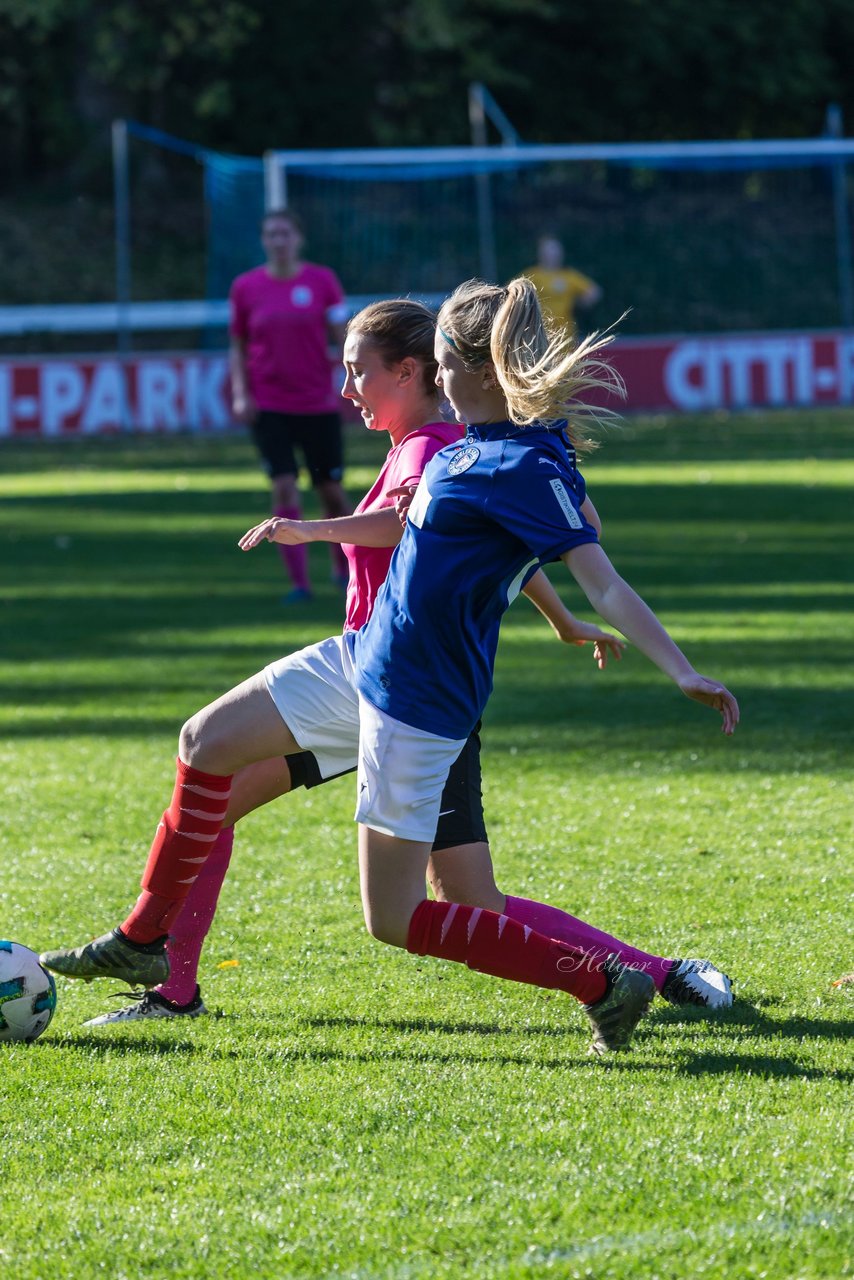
{"points": [[296, 595], [697, 982], [616, 1014], [151, 1005], [113, 956]]}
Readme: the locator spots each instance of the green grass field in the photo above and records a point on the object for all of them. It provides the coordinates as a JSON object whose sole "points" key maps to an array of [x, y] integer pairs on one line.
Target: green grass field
{"points": [[352, 1111]]}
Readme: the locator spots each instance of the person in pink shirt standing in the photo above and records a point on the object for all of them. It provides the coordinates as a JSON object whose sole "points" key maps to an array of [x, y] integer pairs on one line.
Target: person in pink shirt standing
{"points": [[284, 317]]}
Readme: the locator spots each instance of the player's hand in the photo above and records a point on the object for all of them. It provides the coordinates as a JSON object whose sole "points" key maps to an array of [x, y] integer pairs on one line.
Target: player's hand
{"points": [[402, 500], [712, 694], [276, 529], [605, 645], [244, 408]]}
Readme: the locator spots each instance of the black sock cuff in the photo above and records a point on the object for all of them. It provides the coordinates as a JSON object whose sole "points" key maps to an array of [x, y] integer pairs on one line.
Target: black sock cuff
{"points": [[147, 948]]}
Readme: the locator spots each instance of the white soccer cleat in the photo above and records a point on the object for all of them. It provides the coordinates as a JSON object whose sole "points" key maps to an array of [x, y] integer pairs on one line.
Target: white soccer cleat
{"points": [[151, 1005], [697, 982]]}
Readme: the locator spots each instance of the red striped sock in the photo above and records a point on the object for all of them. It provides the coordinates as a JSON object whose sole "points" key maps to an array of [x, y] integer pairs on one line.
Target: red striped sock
{"points": [[182, 842], [504, 948]]}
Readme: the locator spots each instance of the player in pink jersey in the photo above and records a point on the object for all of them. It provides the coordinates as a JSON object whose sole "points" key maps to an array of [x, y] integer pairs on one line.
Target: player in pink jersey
{"points": [[390, 370], [284, 315]]}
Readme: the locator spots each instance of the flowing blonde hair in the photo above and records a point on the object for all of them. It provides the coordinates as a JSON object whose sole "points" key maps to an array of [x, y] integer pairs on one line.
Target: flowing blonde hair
{"points": [[541, 369]]}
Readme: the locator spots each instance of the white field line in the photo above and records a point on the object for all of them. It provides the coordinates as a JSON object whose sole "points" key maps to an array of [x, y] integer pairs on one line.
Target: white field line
{"points": [[762, 1225], [776, 1227]]}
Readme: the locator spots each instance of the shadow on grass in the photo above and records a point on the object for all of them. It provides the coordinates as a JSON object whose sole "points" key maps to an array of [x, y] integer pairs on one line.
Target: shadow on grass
{"points": [[741, 1015], [104, 1048], [700, 1064], [780, 731], [737, 1064], [432, 1024], [744, 1017], [717, 1061], [720, 437], [130, 580]]}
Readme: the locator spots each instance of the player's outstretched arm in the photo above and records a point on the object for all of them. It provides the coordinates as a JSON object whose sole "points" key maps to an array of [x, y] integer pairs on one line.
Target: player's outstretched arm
{"points": [[618, 604], [370, 529], [566, 626]]}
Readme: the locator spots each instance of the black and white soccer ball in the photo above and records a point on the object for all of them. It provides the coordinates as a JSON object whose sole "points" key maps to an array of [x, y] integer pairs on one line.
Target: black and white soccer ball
{"points": [[27, 994]]}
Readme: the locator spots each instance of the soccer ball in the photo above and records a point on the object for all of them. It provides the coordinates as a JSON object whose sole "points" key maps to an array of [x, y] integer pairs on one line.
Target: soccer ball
{"points": [[27, 994]]}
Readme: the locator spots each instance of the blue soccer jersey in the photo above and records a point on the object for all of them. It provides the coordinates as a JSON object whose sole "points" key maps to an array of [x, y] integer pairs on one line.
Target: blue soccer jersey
{"points": [[487, 513]]}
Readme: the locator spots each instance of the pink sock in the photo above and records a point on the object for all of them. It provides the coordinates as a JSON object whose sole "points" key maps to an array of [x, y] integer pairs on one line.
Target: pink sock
{"points": [[189, 931], [566, 928], [295, 559]]}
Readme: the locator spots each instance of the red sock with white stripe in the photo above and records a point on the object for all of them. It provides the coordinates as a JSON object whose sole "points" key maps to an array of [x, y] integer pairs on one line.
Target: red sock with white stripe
{"points": [[495, 944], [182, 842]]}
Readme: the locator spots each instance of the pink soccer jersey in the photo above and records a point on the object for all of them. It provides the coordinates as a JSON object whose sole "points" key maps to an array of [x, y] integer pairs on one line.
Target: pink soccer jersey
{"points": [[404, 464], [284, 326]]}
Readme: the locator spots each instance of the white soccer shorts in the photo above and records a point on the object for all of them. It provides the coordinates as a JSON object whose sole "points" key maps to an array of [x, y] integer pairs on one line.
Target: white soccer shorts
{"points": [[401, 770]]}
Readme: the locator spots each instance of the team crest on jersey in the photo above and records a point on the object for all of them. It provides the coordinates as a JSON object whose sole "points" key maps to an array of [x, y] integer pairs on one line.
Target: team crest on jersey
{"points": [[462, 460], [301, 295]]}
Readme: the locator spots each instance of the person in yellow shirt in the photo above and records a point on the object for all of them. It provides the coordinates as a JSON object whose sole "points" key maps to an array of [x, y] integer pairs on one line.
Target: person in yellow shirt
{"points": [[561, 288]]}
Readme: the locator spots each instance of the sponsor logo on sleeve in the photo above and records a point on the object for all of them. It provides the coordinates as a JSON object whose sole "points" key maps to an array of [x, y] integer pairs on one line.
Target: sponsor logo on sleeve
{"points": [[573, 519]]}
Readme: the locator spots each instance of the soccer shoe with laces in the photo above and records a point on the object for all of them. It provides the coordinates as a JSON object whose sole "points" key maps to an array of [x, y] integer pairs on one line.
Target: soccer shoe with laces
{"points": [[151, 1005], [112, 956], [616, 1014], [697, 982]]}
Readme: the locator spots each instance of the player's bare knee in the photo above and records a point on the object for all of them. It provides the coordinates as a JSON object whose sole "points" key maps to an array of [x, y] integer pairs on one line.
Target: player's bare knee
{"points": [[187, 740], [468, 891], [195, 739], [445, 889], [385, 928]]}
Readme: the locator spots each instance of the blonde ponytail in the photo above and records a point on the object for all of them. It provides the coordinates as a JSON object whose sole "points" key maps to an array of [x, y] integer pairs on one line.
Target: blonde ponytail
{"points": [[540, 368]]}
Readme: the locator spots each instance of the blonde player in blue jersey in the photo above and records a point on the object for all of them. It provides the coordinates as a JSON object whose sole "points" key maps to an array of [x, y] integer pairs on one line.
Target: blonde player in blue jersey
{"points": [[400, 697]]}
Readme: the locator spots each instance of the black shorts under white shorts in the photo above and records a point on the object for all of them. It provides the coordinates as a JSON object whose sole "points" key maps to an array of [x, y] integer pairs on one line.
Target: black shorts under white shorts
{"points": [[461, 819], [277, 437]]}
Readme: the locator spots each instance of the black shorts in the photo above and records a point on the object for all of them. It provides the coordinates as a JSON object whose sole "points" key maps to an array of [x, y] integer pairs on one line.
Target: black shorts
{"points": [[461, 818], [278, 435]]}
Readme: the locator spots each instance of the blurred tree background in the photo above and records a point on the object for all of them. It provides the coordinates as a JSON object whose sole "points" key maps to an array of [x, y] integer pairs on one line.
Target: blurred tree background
{"points": [[242, 76]]}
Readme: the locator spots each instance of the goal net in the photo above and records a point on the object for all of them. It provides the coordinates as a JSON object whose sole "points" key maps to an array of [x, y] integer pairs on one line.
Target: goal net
{"points": [[684, 237]]}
